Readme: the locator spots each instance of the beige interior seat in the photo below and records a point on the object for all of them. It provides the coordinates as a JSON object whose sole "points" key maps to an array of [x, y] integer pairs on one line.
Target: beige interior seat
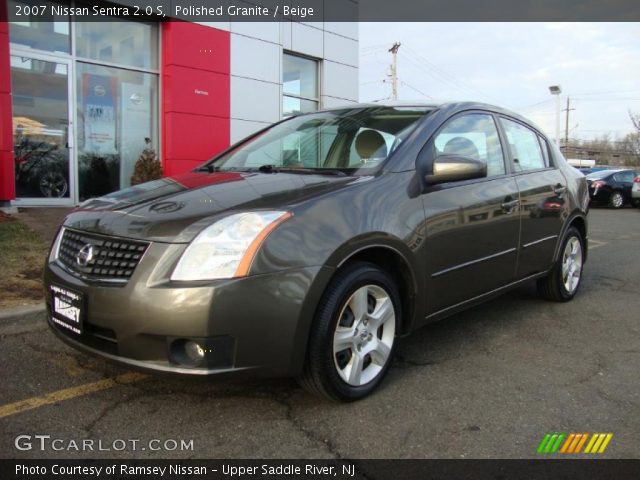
{"points": [[370, 144]]}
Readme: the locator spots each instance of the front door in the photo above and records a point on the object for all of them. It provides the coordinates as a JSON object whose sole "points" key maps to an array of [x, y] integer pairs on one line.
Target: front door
{"points": [[472, 226], [42, 135]]}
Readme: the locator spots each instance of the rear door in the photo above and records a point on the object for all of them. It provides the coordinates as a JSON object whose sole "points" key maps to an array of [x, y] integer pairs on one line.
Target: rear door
{"points": [[624, 182], [472, 226], [542, 187]]}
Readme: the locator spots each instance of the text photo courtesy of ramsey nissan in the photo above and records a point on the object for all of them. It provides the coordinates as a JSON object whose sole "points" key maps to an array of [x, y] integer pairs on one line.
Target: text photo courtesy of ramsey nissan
{"points": [[319, 239]]}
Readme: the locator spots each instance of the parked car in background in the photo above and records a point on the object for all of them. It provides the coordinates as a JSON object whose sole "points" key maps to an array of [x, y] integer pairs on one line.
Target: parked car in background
{"points": [[308, 248], [635, 192], [611, 187]]}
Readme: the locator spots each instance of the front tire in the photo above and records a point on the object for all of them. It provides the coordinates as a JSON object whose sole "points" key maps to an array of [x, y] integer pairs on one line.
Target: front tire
{"points": [[352, 338], [563, 281]]}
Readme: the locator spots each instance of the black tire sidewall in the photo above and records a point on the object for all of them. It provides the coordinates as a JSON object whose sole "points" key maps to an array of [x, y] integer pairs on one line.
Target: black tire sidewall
{"points": [[339, 292]]}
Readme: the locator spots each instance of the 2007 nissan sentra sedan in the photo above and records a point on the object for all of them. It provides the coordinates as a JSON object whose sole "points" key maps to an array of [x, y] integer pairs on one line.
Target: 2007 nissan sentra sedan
{"points": [[307, 249]]}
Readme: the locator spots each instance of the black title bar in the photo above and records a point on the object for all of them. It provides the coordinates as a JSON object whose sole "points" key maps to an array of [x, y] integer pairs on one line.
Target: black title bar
{"points": [[328, 10], [579, 469]]}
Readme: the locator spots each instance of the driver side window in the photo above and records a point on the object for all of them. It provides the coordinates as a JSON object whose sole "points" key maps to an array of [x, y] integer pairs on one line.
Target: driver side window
{"points": [[473, 136]]}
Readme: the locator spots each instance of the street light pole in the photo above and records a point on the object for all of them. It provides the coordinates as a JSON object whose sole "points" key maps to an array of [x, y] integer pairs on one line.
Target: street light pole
{"points": [[566, 128], [556, 90], [394, 70]]}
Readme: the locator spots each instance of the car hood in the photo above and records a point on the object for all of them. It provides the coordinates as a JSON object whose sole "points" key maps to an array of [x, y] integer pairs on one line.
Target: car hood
{"points": [[177, 208]]}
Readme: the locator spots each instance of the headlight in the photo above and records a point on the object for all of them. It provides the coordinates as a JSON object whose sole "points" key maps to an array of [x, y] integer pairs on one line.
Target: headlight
{"points": [[226, 248], [55, 248]]}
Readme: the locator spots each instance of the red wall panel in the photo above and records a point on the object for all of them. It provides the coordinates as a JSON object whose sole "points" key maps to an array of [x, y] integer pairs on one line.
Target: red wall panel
{"points": [[7, 178], [7, 184], [196, 46], [195, 94], [196, 91], [195, 137], [5, 80], [176, 167], [6, 122]]}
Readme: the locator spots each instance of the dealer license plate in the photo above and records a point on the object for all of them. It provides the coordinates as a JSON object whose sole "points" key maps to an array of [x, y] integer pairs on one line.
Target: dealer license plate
{"points": [[67, 309]]}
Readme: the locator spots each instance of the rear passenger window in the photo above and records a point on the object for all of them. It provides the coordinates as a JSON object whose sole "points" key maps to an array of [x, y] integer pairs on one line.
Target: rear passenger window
{"points": [[545, 151], [524, 145], [474, 136], [624, 177]]}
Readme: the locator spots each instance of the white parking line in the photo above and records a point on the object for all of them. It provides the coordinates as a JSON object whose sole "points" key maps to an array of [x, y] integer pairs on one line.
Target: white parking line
{"points": [[596, 243]]}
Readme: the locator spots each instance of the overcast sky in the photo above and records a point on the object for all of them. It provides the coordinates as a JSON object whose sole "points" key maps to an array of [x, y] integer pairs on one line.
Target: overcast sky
{"points": [[512, 65]]}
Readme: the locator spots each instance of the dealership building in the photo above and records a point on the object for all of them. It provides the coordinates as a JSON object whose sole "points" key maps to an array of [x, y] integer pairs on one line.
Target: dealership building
{"points": [[78, 100]]}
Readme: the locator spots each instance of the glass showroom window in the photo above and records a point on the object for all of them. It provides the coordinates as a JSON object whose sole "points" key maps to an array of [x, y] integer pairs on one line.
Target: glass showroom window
{"points": [[116, 102], [299, 85], [47, 33]]}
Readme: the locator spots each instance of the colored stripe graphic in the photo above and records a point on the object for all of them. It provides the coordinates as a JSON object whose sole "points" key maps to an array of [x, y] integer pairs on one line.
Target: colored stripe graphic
{"points": [[581, 442], [598, 442], [543, 443], [567, 443], [572, 443], [551, 442]]}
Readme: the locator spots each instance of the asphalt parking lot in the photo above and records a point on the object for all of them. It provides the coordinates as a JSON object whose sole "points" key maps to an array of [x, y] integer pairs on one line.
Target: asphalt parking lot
{"points": [[487, 383]]}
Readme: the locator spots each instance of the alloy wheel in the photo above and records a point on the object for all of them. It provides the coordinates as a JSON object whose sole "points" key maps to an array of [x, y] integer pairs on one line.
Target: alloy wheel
{"points": [[572, 264], [364, 335], [53, 184], [616, 199]]}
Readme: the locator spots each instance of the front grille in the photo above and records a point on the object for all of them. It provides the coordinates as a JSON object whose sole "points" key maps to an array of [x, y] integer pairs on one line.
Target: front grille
{"points": [[111, 258]]}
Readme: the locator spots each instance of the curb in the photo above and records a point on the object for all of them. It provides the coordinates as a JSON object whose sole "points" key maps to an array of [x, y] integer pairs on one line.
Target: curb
{"points": [[23, 311]]}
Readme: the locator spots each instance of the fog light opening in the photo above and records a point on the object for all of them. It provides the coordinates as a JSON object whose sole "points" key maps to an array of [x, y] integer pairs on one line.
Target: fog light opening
{"points": [[187, 353], [194, 351]]}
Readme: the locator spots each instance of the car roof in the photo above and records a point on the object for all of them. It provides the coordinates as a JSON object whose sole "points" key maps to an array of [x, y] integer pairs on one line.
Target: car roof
{"points": [[453, 106], [611, 171]]}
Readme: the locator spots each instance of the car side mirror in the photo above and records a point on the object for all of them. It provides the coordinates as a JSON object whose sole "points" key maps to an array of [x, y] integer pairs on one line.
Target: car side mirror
{"points": [[453, 168]]}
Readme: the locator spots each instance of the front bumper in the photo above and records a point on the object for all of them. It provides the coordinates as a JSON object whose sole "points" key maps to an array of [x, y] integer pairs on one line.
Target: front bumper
{"points": [[256, 324]]}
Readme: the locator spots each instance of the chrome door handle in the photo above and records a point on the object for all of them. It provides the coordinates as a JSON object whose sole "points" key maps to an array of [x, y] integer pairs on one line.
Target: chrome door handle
{"points": [[509, 206], [559, 190]]}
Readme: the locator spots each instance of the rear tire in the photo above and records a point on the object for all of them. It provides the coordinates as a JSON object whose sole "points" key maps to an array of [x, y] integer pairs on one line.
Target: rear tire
{"points": [[352, 337], [563, 281], [616, 200]]}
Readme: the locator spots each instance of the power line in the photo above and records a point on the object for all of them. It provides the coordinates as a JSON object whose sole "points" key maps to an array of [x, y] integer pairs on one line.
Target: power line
{"points": [[450, 77], [415, 89]]}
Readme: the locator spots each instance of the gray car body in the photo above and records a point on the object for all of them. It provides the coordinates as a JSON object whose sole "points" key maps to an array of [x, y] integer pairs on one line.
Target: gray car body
{"points": [[448, 246]]}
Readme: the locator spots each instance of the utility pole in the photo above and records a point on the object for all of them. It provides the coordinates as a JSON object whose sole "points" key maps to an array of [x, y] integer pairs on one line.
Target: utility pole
{"points": [[394, 70], [566, 125]]}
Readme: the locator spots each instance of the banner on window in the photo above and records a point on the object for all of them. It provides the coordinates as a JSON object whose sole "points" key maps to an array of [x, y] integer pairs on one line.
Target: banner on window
{"points": [[99, 114]]}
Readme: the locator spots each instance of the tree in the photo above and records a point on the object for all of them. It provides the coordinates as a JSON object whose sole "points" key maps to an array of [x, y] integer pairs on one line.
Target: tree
{"points": [[148, 166], [635, 119]]}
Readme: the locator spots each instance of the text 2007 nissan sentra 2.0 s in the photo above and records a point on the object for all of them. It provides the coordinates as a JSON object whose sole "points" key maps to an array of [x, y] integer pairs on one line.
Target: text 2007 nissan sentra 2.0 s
{"points": [[310, 247]]}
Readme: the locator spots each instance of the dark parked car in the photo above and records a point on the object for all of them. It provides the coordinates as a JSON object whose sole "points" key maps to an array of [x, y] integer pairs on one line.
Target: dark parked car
{"points": [[310, 247], [611, 187]]}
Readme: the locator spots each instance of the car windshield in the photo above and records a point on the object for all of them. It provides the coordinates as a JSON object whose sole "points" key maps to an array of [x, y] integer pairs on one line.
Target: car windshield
{"points": [[345, 141], [599, 174]]}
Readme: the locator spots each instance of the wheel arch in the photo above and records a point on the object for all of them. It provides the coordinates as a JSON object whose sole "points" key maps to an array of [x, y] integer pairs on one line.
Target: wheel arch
{"points": [[579, 221], [391, 260]]}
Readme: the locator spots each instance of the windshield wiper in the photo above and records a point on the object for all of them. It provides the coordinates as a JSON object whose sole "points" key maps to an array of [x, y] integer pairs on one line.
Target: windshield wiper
{"points": [[209, 167], [301, 170]]}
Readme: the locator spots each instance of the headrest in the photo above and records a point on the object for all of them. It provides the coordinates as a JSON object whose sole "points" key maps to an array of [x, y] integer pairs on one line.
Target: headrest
{"points": [[462, 146], [370, 143]]}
